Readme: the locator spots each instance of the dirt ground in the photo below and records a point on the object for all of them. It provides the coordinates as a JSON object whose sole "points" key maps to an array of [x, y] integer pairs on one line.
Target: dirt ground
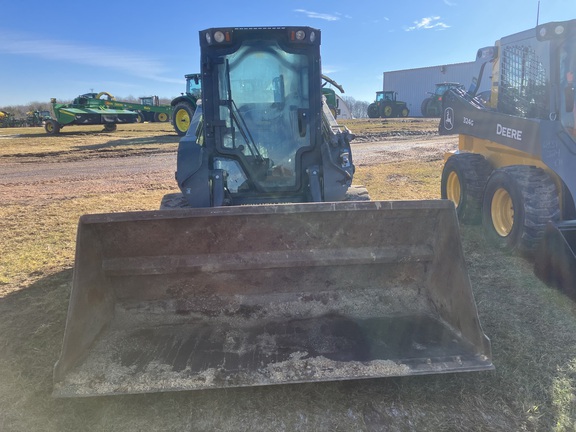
{"points": [[49, 175]]}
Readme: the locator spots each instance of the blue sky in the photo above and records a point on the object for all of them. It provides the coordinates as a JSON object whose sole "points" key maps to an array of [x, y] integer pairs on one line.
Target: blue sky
{"points": [[139, 48]]}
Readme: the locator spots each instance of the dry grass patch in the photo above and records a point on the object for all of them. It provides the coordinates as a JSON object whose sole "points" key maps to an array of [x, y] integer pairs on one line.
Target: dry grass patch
{"points": [[401, 181], [87, 141], [40, 239], [387, 126]]}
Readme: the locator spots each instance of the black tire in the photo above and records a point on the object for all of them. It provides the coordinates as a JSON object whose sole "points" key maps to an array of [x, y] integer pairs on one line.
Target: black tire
{"points": [[387, 110], [518, 203], [464, 177], [357, 193], [173, 201], [424, 107], [182, 117], [373, 111], [52, 127], [110, 127], [141, 118], [404, 112], [433, 108]]}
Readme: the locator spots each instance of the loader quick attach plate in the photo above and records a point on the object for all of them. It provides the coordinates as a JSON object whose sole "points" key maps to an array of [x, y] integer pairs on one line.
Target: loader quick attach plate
{"points": [[257, 295]]}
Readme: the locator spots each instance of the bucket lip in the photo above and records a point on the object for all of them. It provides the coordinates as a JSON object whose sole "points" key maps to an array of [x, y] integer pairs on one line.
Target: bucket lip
{"points": [[290, 208]]}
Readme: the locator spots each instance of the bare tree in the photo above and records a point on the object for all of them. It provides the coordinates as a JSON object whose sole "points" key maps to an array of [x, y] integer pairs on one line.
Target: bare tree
{"points": [[358, 108]]}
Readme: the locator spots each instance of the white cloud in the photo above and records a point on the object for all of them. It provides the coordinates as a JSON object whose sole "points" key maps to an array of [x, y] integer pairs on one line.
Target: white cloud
{"points": [[103, 57], [344, 15], [428, 23], [323, 16]]}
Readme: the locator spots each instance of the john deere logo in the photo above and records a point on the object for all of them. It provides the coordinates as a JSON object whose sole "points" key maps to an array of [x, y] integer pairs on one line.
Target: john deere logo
{"points": [[448, 118]]}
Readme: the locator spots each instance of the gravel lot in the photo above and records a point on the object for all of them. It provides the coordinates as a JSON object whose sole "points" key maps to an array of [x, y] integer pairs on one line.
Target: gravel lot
{"points": [[48, 177]]}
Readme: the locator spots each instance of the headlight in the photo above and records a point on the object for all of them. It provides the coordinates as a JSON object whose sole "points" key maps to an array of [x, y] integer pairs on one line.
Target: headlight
{"points": [[219, 36], [554, 30]]}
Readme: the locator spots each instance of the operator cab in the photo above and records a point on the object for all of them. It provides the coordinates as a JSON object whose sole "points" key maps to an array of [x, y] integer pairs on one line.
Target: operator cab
{"points": [[386, 96], [260, 92], [193, 84]]}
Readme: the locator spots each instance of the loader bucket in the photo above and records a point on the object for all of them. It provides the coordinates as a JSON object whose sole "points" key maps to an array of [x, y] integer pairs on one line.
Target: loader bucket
{"points": [[555, 260], [256, 295]]}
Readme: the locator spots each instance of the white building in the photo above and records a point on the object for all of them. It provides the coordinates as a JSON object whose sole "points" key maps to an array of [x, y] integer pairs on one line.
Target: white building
{"points": [[413, 85]]}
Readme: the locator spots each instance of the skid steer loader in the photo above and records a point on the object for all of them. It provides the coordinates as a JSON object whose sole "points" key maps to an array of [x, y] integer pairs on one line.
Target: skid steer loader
{"points": [[268, 275], [515, 167]]}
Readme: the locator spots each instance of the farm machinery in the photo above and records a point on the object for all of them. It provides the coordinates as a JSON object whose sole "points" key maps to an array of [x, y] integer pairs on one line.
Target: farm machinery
{"points": [[37, 117], [332, 99], [6, 119], [514, 169], [149, 109], [267, 268], [432, 105], [184, 105], [386, 106], [87, 109], [33, 118]]}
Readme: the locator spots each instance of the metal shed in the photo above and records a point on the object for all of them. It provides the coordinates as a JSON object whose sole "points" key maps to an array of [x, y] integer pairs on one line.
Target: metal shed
{"points": [[413, 85]]}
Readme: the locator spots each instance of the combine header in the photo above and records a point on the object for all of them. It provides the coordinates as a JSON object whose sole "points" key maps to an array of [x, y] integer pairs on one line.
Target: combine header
{"points": [[87, 110]]}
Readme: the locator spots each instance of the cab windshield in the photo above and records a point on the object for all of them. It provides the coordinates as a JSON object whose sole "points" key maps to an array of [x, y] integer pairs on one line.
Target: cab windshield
{"points": [[264, 101]]}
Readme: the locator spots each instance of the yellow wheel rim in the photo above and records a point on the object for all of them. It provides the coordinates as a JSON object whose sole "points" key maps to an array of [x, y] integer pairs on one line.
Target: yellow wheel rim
{"points": [[502, 212], [388, 111], [453, 188], [182, 120], [162, 117]]}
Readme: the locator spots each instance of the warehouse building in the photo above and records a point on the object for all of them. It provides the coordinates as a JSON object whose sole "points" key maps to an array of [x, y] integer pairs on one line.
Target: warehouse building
{"points": [[413, 85]]}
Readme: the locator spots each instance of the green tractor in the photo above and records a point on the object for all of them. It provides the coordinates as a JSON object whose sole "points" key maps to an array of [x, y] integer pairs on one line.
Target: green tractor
{"points": [[87, 109], [332, 99], [183, 106], [432, 106], [386, 105], [37, 117]]}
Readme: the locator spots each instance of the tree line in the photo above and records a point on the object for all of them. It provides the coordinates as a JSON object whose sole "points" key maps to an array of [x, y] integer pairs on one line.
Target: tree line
{"points": [[359, 109]]}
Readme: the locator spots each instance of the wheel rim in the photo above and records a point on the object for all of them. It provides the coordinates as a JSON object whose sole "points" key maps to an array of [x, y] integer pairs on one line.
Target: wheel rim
{"points": [[182, 120], [162, 117], [453, 190], [388, 111], [502, 211], [49, 127]]}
